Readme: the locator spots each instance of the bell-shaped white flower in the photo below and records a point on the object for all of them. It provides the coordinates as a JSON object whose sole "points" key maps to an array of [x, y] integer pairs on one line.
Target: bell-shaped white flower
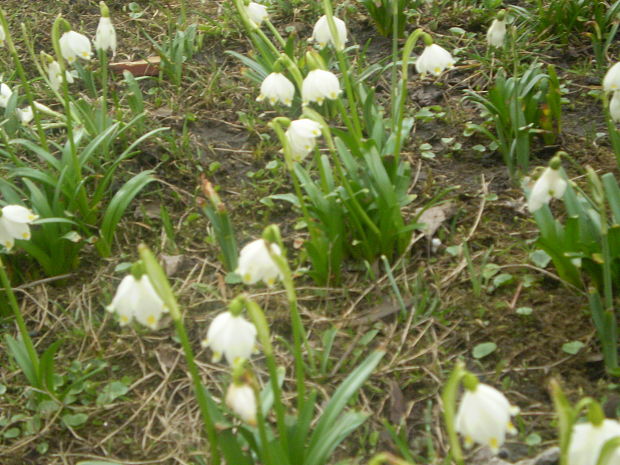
{"points": [[257, 12], [301, 135], [5, 95], [614, 106], [587, 440], [231, 336], [240, 399], [137, 298], [484, 417], [321, 33], [74, 45], [319, 85], [14, 224], [434, 60], [105, 37], [277, 88], [611, 81], [55, 77], [25, 115], [496, 33], [255, 263], [549, 184]]}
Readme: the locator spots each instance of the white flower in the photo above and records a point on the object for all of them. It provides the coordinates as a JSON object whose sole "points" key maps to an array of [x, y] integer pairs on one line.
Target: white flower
{"points": [[587, 440], [434, 60], [496, 33], [611, 81], [2, 36], [240, 399], [484, 417], [25, 115], [256, 12], [55, 77], [136, 298], [5, 95], [319, 85], [301, 135], [74, 45], [549, 184], [277, 88], [321, 33], [231, 336], [255, 263], [105, 38], [14, 224], [614, 106]]}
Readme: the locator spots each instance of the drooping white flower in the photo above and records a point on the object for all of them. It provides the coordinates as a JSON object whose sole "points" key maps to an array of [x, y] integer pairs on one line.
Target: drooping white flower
{"points": [[434, 60], [105, 37], [255, 263], [231, 336], [14, 224], [301, 135], [319, 85], [277, 88], [614, 106], [136, 298], [496, 33], [611, 81], [321, 33], [55, 76], [74, 45], [2, 36], [240, 399], [25, 115], [484, 417], [587, 440], [5, 95], [549, 184], [257, 12]]}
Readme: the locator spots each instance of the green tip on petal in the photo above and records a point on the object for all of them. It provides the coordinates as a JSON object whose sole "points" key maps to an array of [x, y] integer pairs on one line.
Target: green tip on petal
{"points": [[470, 382]]}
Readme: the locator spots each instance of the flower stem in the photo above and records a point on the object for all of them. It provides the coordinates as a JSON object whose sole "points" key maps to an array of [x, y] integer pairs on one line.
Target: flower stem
{"points": [[448, 397]]}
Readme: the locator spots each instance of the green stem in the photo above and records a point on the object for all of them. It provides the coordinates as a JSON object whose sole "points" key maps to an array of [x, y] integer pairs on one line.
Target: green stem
{"points": [[275, 33], [448, 398], [21, 324], [402, 95], [344, 70], [262, 328], [24, 79], [162, 286]]}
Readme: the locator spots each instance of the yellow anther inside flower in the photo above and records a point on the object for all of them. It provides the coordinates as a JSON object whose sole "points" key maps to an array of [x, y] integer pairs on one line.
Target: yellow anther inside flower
{"points": [[151, 320], [494, 443]]}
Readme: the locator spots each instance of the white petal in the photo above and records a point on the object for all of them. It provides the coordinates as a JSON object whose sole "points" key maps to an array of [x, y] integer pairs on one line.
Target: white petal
{"points": [[18, 214]]}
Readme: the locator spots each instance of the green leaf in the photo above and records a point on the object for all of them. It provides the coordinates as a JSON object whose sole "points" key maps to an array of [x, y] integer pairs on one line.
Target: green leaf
{"points": [[540, 258], [524, 310], [572, 347], [20, 354], [111, 392], [484, 349], [74, 420]]}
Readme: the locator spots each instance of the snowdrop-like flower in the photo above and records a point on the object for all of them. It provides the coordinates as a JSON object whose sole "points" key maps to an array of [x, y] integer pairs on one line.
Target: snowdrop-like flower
{"points": [[277, 88], [5, 95], [257, 12], [549, 184], [611, 81], [25, 115], [105, 37], [255, 263], [496, 33], [301, 135], [434, 60], [14, 224], [614, 106], [240, 399], [2, 36], [484, 417], [587, 440], [319, 85], [74, 45], [232, 336], [321, 33], [55, 77], [136, 298]]}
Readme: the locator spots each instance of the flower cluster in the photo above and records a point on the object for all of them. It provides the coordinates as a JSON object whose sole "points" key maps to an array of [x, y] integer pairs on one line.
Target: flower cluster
{"points": [[136, 298]]}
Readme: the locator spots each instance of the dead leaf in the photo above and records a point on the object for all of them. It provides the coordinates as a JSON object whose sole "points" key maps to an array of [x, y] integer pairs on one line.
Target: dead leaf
{"points": [[434, 216], [398, 406], [172, 263], [148, 67]]}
